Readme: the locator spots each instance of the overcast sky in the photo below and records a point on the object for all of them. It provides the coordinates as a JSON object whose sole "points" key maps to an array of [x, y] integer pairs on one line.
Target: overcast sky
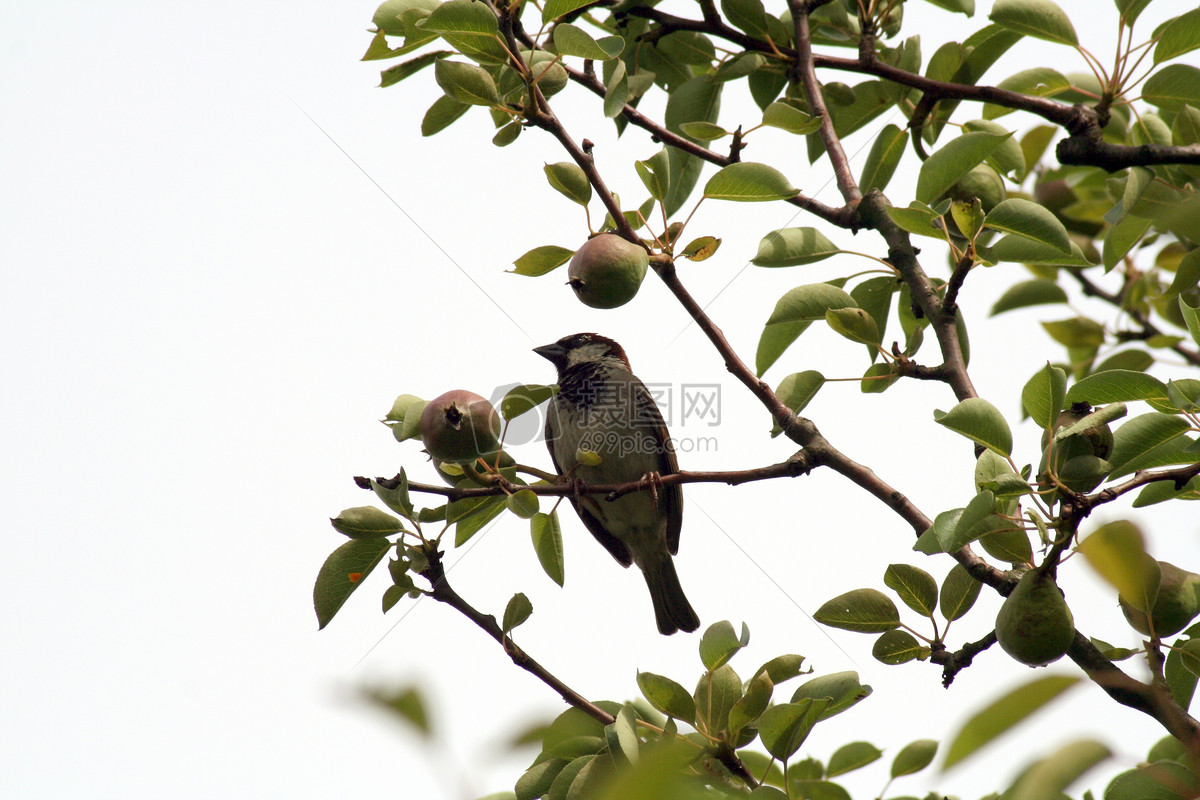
{"points": [[208, 307]]}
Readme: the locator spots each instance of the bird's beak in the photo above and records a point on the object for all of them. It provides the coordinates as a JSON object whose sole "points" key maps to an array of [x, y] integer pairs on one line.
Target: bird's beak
{"points": [[554, 353]]}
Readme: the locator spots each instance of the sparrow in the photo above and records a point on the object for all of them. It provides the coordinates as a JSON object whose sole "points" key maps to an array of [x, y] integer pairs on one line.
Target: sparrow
{"points": [[602, 407]]}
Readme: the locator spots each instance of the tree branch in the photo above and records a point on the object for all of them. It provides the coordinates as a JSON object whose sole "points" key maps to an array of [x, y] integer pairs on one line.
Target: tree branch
{"points": [[1148, 328], [444, 593], [816, 99], [797, 465]]}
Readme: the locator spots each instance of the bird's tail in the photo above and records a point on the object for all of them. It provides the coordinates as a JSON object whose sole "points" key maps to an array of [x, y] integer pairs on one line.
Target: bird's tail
{"points": [[672, 611]]}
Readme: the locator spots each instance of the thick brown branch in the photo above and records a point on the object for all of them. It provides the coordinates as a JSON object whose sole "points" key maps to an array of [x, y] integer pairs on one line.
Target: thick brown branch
{"points": [[1092, 150]]}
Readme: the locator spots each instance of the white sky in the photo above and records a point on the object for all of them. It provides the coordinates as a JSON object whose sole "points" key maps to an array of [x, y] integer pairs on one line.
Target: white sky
{"points": [[208, 308]]}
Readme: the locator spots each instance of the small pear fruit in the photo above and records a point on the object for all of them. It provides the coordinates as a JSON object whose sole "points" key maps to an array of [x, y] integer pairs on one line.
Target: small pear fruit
{"points": [[1034, 625], [1177, 604], [607, 271], [1079, 459], [459, 427]]}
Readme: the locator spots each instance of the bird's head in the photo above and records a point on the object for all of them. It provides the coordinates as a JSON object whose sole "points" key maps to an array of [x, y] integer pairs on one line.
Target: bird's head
{"points": [[583, 348]]}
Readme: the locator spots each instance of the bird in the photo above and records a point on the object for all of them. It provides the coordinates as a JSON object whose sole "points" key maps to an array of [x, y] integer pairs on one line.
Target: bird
{"points": [[602, 407]]}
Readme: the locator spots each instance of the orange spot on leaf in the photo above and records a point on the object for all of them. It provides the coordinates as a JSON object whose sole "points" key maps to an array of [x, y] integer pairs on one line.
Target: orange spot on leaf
{"points": [[355, 577]]}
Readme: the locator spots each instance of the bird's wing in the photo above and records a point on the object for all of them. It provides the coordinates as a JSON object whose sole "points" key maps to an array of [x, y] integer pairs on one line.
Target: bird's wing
{"points": [[611, 543], [670, 498]]}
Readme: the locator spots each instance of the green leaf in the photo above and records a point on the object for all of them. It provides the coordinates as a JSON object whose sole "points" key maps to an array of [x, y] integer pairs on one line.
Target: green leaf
{"points": [[897, 647], [1187, 274], [1029, 251], [1166, 780], [537, 780], [1003, 713], [655, 173], [791, 119], [854, 324], [1130, 9], [1037, 82], [751, 704], [343, 572], [1040, 19], [571, 40], [914, 757], [548, 544], [749, 182], [808, 303], [918, 219], [1035, 292], [883, 159], [468, 26], [1191, 317], [523, 503], [616, 91], [541, 260], [667, 696], [1030, 220], [1180, 680], [700, 248], [1049, 776], [850, 757], [746, 15], [862, 611], [559, 8], [1138, 441], [394, 74], [793, 247], [1173, 87], [782, 668], [1120, 239], [784, 727], [696, 99], [622, 737], [466, 83], [1078, 332], [720, 642], [716, 694], [915, 586], [570, 180], [842, 689], [955, 159], [366, 522], [774, 341], [797, 390], [1116, 385], [1117, 551], [959, 592], [703, 131], [517, 611], [472, 515], [407, 704], [444, 111], [979, 421], [526, 397]]}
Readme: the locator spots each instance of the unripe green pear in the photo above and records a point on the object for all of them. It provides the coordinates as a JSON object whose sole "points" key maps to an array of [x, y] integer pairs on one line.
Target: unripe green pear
{"points": [[1177, 604], [607, 271], [459, 427], [1079, 461], [1035, 625], [982, 182]]}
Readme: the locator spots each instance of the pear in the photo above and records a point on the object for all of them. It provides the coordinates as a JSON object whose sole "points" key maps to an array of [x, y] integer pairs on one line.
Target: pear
{"points": [[1079, 459], [1177, 604], [1035, 625], [607, 271], [459, 427]]}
